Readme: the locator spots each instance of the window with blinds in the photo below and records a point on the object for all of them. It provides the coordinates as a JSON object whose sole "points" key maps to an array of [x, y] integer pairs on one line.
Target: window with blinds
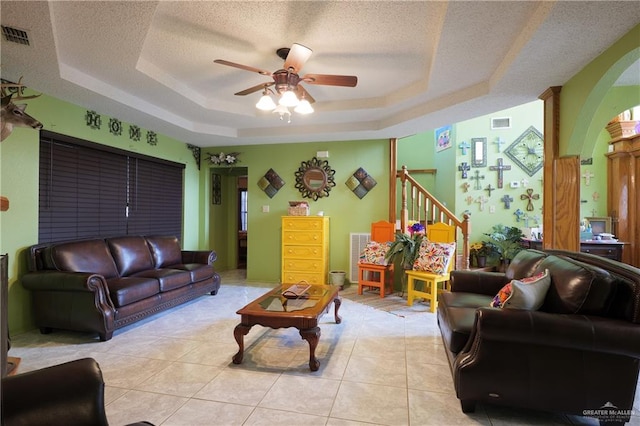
{"points": [[91, 190]]}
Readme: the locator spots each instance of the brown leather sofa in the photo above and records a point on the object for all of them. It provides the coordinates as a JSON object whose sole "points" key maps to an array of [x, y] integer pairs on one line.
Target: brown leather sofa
{"points": [[100, 285], [579, 352], [65, 394]]}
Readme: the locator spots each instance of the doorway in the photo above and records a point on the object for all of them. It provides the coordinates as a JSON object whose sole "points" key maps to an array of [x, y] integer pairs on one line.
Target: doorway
{"points": [[243, 216]]}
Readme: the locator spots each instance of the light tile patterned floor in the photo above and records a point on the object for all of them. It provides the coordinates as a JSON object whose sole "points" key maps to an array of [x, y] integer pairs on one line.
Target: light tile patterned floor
{"points": [[175, 369]]}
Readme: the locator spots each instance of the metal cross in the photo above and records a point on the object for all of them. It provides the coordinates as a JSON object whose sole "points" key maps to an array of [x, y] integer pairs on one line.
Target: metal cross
{"points": [[500, 142], [587, 175], [482, 200], [469, 199], [530, 196], [500, 168], [464, 167], [506, 200], [464, 146], [519, 213], [465, 186], [477, 178], [489, 188]]}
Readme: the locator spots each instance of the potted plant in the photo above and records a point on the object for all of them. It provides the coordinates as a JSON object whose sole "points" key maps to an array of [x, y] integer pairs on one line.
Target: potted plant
{"points": [[403, 251], [505, 241], [480, 250]]}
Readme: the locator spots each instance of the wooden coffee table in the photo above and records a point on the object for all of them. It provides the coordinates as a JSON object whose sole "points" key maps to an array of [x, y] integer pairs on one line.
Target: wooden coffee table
{"points": [[275, 311]]}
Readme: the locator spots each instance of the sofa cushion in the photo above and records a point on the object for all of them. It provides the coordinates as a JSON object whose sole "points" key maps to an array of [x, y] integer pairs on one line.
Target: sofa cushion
{"points": [[126, 290], [89, 256], [131, 254], [576, 287], [375, 253], [456, 316], [165, 250], [434, 257], [528, 293], [169, 279], [524, 264], [198, 271]]}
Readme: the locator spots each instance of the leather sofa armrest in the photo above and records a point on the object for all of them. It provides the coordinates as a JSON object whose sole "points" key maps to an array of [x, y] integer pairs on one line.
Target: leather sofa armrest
{"points": [[64, 281], [199, 256], [69, 393], [581, 332], [479, 282]]}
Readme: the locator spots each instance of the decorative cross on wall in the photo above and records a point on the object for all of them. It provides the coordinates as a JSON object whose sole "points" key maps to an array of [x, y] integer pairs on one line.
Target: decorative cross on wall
{"points": [[525, 182], [477, 178], [506, 200], [469, 199], [489, 188], [464, 167], [500, 142], [587, 175], [500, 168], [526, 218], [530, 196], [519, 213], [595, 196], [464, 146], [482, 200], [536, 218], [465, 186]]}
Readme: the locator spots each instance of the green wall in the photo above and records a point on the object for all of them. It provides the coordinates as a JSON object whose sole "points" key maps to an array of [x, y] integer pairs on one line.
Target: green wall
{"points": [[19, 183], [347, 212]]}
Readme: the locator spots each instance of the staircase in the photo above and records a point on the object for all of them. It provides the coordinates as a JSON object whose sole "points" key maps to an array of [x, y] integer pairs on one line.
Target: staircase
{"points": [[420, 205]]}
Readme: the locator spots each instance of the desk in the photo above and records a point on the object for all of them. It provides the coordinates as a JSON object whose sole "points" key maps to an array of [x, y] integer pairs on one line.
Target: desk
{"points": [[602, 248]]}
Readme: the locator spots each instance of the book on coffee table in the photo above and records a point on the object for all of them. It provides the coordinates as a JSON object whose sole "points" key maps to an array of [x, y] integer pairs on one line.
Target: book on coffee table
{"points": [[296, 290]]}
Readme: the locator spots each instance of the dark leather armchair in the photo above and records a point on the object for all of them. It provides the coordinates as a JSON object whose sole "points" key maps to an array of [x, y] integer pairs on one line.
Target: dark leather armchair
{"points": [[66, 394], [579, 353]]}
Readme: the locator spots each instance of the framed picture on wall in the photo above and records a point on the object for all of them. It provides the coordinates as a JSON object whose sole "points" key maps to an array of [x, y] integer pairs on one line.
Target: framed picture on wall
{"points": [[444, 136]]}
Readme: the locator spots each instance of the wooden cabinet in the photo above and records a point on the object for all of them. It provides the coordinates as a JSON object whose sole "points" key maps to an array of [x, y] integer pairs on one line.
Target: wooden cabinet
{"points": [[305, 249], [612, 250]]}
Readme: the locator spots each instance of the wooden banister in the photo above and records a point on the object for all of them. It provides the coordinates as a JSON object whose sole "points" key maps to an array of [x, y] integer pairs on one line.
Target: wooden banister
{"points": [[420, 205]]}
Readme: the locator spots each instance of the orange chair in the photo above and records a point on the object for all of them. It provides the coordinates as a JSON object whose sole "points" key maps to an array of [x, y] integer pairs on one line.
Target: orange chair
{"points": [[377, 275], [436, 233]]}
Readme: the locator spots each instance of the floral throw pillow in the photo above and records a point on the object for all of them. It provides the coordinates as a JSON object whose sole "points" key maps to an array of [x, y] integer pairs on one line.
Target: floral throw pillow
{"points": [[375, 253], [434, 257], [527, 293]]}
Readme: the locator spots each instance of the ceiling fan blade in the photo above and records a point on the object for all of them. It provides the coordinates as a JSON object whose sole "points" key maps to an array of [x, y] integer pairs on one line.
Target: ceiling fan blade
{"points": [[242, 67], [303, 93], [298, 55], [254, 88], [331, 80]]}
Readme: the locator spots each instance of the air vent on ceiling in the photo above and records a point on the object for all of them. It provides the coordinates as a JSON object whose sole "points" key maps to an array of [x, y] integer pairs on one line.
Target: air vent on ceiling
{"points": [[15, 35], [500, 123]]}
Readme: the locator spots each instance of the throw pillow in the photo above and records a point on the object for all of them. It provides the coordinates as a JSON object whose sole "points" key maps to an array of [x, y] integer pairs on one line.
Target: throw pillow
{"points": [[527, 293], [434, 257], [375, 253]]}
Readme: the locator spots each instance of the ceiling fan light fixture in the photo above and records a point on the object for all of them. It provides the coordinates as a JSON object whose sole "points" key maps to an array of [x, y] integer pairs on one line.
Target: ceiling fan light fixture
{"points": [[288, 99], [282, 111], [266, 103], [304, 107]]}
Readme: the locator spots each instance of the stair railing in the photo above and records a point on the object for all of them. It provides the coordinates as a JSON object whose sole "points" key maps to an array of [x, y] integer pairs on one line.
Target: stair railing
{"points": [[418, 204]]}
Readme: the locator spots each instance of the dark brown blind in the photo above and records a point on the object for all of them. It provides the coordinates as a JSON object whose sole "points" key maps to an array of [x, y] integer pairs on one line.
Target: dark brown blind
{"points": [[88, 190]]}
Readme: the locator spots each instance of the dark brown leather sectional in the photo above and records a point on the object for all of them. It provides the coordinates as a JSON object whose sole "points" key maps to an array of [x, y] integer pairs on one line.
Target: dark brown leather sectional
{"points": [[578, 354], [100, 285]]}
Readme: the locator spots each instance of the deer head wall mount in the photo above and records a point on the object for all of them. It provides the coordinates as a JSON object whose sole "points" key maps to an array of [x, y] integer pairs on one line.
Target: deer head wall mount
{"points": [[13, 115]]}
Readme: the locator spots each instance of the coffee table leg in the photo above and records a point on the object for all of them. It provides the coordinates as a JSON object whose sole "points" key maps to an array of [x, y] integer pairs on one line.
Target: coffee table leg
{"points": [[337, 302], [312, 335], [239, 332]]}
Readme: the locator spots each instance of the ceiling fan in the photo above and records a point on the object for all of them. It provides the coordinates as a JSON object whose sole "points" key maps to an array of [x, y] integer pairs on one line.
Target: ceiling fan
{"points": [[288, 78]]}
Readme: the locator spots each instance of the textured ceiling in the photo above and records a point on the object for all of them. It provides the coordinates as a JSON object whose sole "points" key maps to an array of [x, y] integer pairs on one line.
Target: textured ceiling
{"points": [[420, 64]]}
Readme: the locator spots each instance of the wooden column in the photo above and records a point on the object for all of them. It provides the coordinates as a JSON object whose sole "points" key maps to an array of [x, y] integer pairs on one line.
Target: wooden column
{"points": [[393, 171]]}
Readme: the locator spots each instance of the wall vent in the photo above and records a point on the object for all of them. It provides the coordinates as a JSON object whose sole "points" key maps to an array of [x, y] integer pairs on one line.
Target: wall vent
{"points": [[15, 35], [357, 244], [500, 123]]}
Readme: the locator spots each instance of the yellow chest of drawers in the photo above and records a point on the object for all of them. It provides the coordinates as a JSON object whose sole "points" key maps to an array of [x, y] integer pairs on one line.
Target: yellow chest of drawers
{"points": [[305, 249]]}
